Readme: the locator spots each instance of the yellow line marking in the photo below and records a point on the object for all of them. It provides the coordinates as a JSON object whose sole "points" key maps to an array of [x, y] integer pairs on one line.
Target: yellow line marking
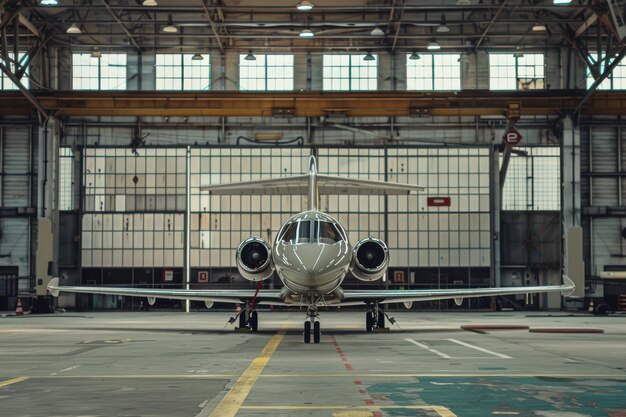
{"points": [[231, 403], [13, 381], [191, 376], [442, 411]]}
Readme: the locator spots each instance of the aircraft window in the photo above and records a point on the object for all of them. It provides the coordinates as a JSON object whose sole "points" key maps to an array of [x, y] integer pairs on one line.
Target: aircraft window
{"points": [[311, 231]]}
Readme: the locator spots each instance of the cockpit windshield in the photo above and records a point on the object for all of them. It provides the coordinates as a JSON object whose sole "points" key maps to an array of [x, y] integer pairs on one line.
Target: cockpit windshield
{"points": [[311, 231]]}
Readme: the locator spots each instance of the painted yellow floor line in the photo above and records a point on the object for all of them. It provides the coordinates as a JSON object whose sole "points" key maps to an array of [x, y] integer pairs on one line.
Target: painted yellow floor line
{"points": [[442, 411], [13, 381], [231, 403]]}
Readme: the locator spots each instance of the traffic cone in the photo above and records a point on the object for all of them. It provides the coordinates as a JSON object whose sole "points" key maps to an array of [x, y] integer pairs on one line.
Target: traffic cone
{"points": [[591, 308], [19, 311]]}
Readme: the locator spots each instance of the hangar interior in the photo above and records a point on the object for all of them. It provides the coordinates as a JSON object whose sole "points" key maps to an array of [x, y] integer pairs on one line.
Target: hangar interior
{"points": [[115, 114]]}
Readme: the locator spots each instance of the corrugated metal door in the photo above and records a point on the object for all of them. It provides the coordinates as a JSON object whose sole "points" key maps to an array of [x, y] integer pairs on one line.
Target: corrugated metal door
{"points": [[14, 232]]}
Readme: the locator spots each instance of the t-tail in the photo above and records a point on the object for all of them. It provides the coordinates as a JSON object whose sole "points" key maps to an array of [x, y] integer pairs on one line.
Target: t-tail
{"points": [[313, 190]]}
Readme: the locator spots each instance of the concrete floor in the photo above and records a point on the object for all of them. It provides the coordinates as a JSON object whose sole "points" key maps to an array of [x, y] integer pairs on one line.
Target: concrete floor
{"points": [[176, 364]]}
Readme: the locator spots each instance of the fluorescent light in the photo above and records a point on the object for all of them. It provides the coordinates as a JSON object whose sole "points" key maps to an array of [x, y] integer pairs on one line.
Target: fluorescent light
{"points": [[369, 57], [433, 46], [96, 53], [561, 2], [539, 27], [304, 6], [518, 55], [49, 2], [377, 32], [415, 56], [150, 3], [306, 33], [74, 29], [250, 57], [170, 28], [197, 57], [463, 2]]}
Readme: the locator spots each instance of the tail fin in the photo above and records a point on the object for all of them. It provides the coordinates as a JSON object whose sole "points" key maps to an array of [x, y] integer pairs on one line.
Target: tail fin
{"points": [[314, 194]]}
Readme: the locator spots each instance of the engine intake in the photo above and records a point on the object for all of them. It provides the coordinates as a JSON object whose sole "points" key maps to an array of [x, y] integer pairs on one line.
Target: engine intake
{"points": [[371, 259], [254, 259]]}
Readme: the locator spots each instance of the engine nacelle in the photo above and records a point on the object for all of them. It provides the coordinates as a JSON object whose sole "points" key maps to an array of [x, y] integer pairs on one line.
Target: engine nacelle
{"points": [[254, 259], [371, 259]]}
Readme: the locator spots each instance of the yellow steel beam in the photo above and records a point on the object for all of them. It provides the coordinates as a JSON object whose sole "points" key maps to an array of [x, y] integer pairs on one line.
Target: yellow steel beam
{"points": [[312, 104]]}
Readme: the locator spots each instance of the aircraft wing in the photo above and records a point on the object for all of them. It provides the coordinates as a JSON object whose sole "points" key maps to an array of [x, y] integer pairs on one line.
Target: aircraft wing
{"points": [[457, 294], [265, 297], [326, 184]]}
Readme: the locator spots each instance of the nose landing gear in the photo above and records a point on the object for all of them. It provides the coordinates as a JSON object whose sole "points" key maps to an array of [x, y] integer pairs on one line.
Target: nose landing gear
{"points": [[312, 321]]}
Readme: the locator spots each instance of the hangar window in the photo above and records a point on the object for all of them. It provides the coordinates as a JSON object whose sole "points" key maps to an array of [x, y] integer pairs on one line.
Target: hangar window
{"points": [[266, 73], [350, 72], [615, 81], [105, 73], [183, 72], [516, 71], [433, 72], [5, 82], [533, 181], [66, 178]]}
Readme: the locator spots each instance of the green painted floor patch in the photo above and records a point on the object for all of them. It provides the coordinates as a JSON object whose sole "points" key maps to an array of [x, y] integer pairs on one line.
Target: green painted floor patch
{"points": [[528, 397]]}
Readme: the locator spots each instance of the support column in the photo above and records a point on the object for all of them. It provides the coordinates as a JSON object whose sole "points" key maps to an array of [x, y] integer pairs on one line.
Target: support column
{"points": [[496, 204], [573, 264], [187, 272], [47, 257]]}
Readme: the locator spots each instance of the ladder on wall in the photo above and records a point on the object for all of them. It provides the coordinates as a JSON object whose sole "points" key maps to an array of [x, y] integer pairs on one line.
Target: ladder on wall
{"points": [[621, 302]]}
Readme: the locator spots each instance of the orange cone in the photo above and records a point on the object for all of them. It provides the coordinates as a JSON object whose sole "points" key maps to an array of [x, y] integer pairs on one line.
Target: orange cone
{"points": [[19, 311], [590, 309]]}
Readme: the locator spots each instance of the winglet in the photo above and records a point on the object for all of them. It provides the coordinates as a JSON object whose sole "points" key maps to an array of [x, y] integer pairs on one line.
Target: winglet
{"points": [[53, 287], [568, 286]]}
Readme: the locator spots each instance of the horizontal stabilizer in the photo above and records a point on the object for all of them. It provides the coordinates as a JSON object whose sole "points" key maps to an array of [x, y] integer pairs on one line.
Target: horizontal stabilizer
{"points": [[326, 184]]}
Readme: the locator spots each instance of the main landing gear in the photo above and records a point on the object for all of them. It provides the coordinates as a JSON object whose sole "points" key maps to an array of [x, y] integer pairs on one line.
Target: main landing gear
{"points": [[312, 321], [248, 319], [375, 318]]}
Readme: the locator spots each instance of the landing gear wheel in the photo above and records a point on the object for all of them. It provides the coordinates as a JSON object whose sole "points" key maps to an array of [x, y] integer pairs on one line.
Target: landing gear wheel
{"points": [[316, 332], [380, 320], [307, 332], [253, 322], [369, 321]]}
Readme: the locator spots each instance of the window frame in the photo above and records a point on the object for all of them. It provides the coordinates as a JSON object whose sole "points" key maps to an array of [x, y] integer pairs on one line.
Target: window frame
{"points": [[99, 77], [25, 80], [266, 65], [185, 68], [351, 78], [434, 73], [610, 79], [516, 67]]}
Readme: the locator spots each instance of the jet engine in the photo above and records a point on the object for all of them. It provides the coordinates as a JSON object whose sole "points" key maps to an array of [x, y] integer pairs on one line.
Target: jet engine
{"points": [[371, 259], [254, 259]]}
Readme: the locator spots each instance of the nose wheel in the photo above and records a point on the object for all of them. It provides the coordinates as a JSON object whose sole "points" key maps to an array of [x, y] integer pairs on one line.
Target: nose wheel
{"points": [[312, 323]]}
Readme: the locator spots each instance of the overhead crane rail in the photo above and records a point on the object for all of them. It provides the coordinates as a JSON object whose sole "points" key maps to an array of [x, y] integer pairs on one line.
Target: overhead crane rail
{"points": [[315, 104]]}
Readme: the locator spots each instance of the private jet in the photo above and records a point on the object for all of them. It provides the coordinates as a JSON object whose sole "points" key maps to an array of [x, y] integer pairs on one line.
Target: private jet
{"points": [[312, 257]]}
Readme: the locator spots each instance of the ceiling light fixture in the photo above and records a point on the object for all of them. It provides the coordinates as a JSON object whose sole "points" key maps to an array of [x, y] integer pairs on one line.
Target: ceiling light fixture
{"points": [[197, 57], [304, 6], [443, 28], [170, 28], [369, 57], [414, 56], [306, 33], [539, 27], [150, 3], [73, 29], [377, 32], [518, 54], [49, 2], [250, 56], [561, 2], [463, 2], [433, 46], [96, 53]]}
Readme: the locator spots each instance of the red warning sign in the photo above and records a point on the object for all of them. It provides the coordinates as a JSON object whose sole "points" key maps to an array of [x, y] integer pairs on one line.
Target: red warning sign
{"points": [[438, 201], [512, 136]]}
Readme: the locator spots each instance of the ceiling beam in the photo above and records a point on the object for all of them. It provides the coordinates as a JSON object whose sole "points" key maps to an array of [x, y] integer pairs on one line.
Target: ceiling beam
{"points": [[213, 26], [314, 104], [117, 19], [493, 20]]}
